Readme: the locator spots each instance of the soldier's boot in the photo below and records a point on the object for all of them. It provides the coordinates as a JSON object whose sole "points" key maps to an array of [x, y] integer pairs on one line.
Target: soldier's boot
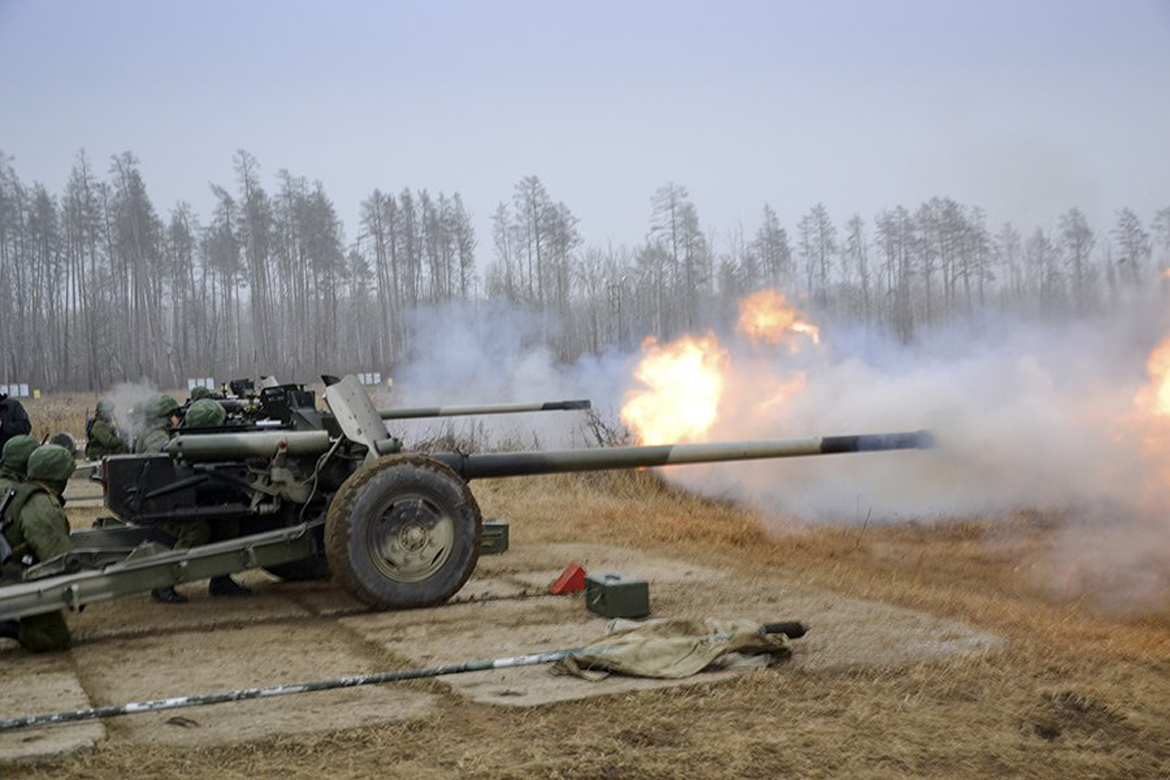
{"points": [[168, 596], [9, 629], [224, 585]]}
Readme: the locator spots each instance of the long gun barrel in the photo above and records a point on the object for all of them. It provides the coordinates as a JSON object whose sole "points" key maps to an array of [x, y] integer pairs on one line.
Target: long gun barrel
{"points": [[194, 447], [516, 464], [459, 411], [235, 405]]}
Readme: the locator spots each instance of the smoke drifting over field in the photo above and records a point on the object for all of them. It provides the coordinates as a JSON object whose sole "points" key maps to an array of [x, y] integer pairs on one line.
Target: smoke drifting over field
{"points": [[495, 353], [1027, 417], [124, 396]]}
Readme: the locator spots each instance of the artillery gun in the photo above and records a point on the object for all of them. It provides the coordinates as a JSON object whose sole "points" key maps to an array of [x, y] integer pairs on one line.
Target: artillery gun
{"points": [[396, 529]]}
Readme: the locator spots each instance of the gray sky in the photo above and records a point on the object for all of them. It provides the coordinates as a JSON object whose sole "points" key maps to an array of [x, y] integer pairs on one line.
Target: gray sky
{"points": [[1024, 108]]}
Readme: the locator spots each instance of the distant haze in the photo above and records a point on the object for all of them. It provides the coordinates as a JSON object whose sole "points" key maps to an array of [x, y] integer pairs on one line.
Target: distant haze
{"points": [[1024, 109]]}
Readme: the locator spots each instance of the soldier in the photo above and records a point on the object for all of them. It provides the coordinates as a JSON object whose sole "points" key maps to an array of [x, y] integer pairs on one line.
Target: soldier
{"points": [[36, 529], [101, 435], [14, 461], [199, 393], [204, 413], [160, 414], [13, 419]]}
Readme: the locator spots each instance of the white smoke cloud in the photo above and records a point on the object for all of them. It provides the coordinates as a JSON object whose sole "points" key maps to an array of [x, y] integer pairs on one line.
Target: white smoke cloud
{"points": [[124, 396], [1027, 416], [494, 353]]}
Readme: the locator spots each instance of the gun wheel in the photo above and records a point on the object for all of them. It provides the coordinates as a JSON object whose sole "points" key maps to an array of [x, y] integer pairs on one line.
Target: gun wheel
{"points": [[402, 532]]}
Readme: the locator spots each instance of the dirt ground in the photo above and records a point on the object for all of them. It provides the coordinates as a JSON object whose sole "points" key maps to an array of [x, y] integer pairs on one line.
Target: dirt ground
{"points": [[933, 652]]}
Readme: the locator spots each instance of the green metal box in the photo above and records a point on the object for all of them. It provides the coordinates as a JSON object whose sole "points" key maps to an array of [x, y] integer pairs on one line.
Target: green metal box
{"points": [[495, 537], [616, 595]]}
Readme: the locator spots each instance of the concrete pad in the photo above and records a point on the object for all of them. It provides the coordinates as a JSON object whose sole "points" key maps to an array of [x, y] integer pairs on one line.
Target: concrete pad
{"points": [[328, 600], [845, 633], [82, 489], [481, 588], [469, 632], [538, 565], [139, 614], [34, 685], [322, 597], [86, 503], [849, 633], [185, 663]]}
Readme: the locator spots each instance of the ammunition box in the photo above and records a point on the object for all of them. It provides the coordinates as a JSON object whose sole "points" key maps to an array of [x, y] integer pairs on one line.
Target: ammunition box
{"points": [[615, 595], [495, 537]]}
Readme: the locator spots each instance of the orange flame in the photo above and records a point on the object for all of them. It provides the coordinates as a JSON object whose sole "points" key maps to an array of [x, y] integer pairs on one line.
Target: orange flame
{"points": [[1155, 396], [683, 382], [767, 316]]}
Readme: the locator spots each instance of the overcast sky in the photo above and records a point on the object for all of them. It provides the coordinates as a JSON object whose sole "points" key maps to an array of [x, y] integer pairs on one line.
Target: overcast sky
{"points": [[1024, 108]]}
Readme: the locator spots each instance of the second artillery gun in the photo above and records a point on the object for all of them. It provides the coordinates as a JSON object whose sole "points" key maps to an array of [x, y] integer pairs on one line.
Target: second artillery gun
{"points": [[333, 492]]}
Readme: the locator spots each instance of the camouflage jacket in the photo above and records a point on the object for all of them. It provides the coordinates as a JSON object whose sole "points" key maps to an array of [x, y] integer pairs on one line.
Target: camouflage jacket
{"points": [[8, 478], [39, 525], [152, 440], [102, 439]]}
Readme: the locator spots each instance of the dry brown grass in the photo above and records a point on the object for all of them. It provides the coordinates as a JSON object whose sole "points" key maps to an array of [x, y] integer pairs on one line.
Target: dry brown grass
{"points": [[68, 412], [55, 413], [1077, 693]]}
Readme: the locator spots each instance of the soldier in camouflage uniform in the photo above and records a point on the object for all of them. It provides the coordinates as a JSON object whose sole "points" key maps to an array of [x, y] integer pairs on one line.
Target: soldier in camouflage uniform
{"points": [[161, 415], [204, 413], [37, 530], [14, 461], [199, 393], [101, 437]]}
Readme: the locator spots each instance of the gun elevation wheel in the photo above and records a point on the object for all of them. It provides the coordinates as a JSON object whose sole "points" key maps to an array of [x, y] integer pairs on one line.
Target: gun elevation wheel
{"points": [[402, 532]]}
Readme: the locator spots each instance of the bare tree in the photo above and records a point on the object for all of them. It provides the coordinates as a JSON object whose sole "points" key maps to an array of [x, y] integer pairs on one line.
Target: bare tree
{"points": [[1076, 241], [1133, 243]]}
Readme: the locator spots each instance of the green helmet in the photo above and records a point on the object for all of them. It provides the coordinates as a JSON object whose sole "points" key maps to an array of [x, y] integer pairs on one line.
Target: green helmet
{"points": [[204, 413], [16, 453], [64, 439], [160, 407], [51, 464], [199, 393], [105, 409]]}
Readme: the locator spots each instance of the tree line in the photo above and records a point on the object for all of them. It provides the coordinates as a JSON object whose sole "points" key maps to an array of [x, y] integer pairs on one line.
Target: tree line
{"points": [[97, 287]]}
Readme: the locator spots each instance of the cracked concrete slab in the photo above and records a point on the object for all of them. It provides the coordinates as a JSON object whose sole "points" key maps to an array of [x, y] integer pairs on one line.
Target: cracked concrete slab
{"points": [[845, 632], [31, 685], [119, 671], [139, 614]]}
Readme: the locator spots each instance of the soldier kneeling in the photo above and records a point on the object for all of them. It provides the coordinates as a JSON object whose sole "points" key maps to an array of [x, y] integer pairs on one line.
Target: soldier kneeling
{"points": [[36, 530], [204, 413]]}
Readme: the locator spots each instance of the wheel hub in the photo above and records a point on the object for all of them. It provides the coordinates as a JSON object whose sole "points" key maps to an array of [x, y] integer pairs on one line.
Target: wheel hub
{"points": [[412, 539]]}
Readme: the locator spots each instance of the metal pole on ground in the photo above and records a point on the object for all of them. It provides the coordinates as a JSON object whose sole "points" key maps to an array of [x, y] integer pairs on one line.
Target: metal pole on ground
{"points": [[790, 629]]}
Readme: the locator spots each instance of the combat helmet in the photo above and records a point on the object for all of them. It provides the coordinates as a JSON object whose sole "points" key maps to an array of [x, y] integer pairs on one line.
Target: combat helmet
{"points": [[204, 413], [17, 450], [52, 466], [160, 407]]}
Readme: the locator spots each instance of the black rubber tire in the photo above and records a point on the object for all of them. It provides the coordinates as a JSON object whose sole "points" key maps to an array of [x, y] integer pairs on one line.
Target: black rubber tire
{"points": [[366, 497], [304, 570]]}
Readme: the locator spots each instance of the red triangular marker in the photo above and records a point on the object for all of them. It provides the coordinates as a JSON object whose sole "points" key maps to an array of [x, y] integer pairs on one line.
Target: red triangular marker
{"points": [[572, 580]]}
